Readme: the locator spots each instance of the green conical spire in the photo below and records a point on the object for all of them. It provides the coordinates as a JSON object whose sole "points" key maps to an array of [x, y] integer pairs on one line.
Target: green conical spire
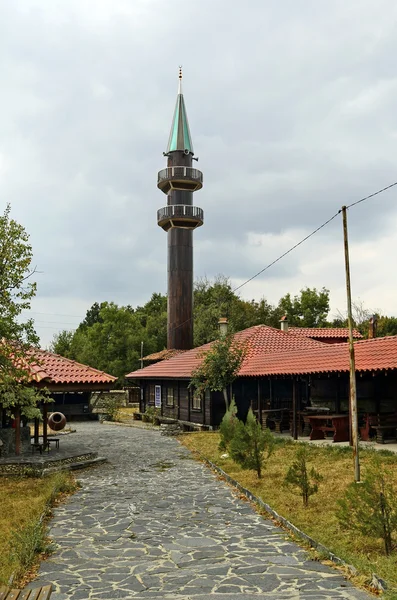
{"points": [[180, 138]]}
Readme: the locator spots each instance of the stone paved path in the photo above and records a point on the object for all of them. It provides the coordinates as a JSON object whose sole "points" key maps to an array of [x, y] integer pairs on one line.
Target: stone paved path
{"points": [[153, 523]]}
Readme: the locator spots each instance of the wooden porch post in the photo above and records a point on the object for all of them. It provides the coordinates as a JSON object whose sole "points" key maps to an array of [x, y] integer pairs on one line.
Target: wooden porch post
{"points": [[337, 402], [17, 430], [45, 414], [259, 403], [294, 409], [36, 431]]}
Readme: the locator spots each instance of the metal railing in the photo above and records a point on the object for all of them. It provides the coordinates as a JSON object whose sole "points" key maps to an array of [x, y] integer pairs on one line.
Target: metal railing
{"points": [[180, 211], [180, 173]]}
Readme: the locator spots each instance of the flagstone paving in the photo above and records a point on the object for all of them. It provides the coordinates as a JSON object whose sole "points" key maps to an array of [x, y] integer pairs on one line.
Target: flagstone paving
{"points": [[153, 523]]}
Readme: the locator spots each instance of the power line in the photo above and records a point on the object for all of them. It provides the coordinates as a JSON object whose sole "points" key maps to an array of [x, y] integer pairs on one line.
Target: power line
{"points": [[313, 232], [372, 195], [54, 322], [287, 252], [301, 242], [35, 312]]}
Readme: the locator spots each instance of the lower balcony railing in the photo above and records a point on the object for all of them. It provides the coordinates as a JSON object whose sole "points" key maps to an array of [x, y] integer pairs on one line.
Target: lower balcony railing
{"points": [[180, 215]]}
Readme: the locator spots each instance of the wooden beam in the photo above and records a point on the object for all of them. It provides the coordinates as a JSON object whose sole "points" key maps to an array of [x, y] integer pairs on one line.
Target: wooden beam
{"points": [[36, 431], [294, 409], [45, 416], [17, 430]]}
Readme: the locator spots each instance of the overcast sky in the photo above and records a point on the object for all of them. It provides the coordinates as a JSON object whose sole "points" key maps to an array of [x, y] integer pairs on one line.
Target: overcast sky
{"points": [[293, 113]]}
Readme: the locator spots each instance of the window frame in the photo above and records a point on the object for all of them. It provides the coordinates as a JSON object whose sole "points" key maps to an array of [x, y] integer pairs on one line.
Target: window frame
{"points": [[167, 399], [196, 399], [151, 395]]}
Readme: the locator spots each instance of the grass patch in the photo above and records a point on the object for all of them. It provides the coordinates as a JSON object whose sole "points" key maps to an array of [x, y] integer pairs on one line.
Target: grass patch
{"points": [[125, 414], [335, 464], [22, 531]]}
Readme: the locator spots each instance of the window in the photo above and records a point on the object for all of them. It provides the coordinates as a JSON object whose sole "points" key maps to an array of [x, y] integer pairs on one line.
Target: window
{"points": [[196, 401], [170, 397], [151, 394]]}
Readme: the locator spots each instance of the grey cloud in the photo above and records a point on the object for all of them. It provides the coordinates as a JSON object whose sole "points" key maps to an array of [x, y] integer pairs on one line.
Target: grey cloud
{"points": [[292, 112]]}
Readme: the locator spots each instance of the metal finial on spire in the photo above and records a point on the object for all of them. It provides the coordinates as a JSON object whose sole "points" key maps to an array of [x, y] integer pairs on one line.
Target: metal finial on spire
{"points": [[180, 80], [180, 138]]}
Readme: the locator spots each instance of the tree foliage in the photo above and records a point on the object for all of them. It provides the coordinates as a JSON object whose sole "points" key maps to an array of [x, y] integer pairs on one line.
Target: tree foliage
{"points": [[301, 477], [228, 426], [16, 334], [219, 366], [370, 507], [251, 445], [309, 309]]}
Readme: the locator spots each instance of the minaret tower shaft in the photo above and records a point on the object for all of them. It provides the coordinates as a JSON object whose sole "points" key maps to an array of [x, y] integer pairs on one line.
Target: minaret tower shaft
{"points": [[179, 180]]}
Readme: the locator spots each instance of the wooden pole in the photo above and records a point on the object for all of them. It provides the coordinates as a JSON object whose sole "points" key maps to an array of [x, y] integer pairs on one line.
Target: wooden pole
{"points": [[353, 391], [259, 403], [36, 431], [45, 418], [294, 410], [17, 431]]}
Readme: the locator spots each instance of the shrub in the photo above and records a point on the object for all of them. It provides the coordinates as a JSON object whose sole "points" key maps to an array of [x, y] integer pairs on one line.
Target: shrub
{"points": [[112, 405], [300, 477], [251, 445], [228, 426], [370, 507], [151, 414]]}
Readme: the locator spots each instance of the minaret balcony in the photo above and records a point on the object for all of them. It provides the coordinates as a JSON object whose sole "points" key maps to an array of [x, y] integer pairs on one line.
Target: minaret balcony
{"points": [[179, 178], [180, 215]]}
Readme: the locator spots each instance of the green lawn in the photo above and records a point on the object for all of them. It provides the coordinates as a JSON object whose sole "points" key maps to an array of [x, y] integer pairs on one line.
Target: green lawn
{"points": [[22, 502], [318, 520]]}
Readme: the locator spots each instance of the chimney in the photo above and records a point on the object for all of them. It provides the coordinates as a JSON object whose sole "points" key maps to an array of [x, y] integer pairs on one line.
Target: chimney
{"points": [[222, 326], [373, 326], [284, 324]]}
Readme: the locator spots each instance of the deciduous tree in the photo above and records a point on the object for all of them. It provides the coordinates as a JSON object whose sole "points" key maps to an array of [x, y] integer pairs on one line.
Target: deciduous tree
{"points": [[219, 366], [17, 335]]}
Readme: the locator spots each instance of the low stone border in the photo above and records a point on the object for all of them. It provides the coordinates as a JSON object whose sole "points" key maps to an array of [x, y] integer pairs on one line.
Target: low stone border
{"points": [[377, 584], [133, 424], [39, 469]]}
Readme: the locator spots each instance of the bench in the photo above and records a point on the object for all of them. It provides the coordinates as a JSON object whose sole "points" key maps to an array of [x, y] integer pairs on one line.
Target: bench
{"points": [[50, 440], [53, 440], [41, 593], [40, 446], [385, 426]]}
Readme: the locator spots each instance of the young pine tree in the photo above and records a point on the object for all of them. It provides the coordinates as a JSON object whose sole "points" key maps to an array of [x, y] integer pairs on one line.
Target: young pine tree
{"points": [[299, 476], [228, 426], [251, 445], [371, 506]]}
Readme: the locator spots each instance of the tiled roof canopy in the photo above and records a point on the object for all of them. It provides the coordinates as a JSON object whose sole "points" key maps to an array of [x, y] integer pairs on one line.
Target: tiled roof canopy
{"points": [[274, 352], [325, 332], [53, 368], [379, 354], [259, 340]]}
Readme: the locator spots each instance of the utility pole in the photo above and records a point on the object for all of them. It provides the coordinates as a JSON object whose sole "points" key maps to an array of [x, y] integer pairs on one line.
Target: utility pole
{"points": [[141, 355], [353, 391]]}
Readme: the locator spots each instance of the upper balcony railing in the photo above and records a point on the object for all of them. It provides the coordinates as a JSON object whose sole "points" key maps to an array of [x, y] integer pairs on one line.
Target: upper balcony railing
{"points": [[180, 215], [179, 178]]}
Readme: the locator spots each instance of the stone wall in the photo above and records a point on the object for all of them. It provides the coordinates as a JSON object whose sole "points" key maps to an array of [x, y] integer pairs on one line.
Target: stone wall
{"points": [[7, 436], [99, 399]]}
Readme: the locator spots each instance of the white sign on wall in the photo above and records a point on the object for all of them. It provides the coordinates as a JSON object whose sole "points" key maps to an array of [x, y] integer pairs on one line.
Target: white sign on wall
{"points": [[157, 396]]}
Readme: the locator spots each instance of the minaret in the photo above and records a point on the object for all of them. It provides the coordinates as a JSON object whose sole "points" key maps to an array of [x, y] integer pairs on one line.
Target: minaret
{"points": [[179, 180]]}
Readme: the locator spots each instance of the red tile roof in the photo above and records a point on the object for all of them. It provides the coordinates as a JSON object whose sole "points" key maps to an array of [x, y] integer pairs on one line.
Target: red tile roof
{"points": [[53, 368], [372, 355], [259, 340], [325, 332]]}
